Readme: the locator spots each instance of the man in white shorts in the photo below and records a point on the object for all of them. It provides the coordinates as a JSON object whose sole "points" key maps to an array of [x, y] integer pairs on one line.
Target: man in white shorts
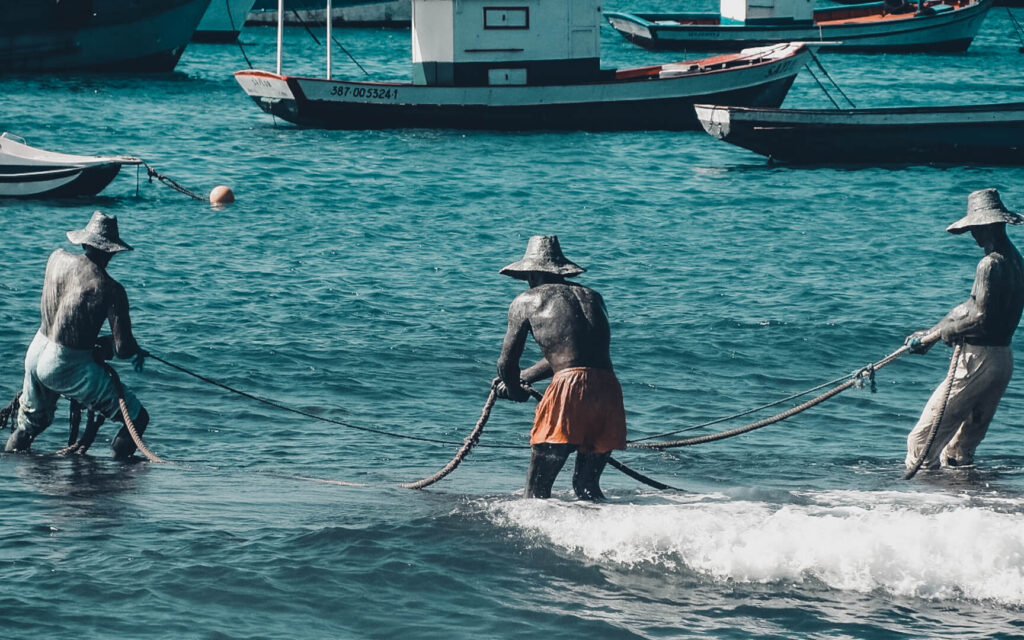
{"points": [[79, 296]]}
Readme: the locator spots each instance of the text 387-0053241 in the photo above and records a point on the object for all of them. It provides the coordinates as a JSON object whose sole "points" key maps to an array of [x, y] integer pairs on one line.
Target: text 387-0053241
{"points": [[372, 93]]}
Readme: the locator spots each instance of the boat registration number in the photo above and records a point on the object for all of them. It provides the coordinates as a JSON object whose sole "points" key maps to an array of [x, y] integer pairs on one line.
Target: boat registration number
{"points": [[372, 93]]}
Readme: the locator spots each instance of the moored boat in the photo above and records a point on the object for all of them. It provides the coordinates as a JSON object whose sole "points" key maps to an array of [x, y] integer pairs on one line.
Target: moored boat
{"points": [[83, 35], [222, 21], [944, 25], [962, 134], [27, 172], [526, 65]]}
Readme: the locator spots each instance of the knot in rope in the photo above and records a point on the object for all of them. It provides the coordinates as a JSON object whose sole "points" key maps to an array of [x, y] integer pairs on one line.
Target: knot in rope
{"points": [[868, 373]]}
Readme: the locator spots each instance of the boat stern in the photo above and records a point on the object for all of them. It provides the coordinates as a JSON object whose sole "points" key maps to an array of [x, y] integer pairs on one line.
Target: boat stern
{"points": [[271, 92], [714, 119]]}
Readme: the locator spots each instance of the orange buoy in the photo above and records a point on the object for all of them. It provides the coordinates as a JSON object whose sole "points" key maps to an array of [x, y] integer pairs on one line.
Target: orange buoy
{"points": [[221, 195]]}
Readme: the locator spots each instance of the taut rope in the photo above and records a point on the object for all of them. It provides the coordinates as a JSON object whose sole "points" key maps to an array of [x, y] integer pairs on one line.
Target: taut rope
{"points": [[854, 379]]}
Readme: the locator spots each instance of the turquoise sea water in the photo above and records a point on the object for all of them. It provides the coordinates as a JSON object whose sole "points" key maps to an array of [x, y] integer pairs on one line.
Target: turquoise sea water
{"points": [[356, 278]]}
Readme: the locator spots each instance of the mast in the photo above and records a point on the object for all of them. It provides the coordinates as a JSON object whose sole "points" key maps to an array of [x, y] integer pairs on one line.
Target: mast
{"points": [[330, 20], [280, 32]]}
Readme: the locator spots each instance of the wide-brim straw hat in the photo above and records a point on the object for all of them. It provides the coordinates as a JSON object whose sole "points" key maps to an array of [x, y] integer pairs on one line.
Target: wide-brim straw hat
{"points": [[101, 232], [544, 255], [984, 208]]}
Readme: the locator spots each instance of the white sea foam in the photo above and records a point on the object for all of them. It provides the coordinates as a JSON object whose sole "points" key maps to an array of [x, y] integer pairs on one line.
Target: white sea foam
{"points": [[909, 544]]}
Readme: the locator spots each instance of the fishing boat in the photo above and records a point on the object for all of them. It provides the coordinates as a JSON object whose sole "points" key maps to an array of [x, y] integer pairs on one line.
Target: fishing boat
{"points": [[523, 65], [27, 172], [84, 35], [969, 134], [223, 21], [944, 25]]}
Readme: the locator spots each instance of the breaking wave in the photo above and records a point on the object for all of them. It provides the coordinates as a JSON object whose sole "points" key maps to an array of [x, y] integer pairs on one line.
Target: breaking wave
{"points": [[929, 546]]}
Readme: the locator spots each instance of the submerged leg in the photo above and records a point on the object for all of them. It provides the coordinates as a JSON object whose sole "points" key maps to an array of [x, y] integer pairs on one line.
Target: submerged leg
{"points": [[123, 445], [546, 461], [587, 475]]}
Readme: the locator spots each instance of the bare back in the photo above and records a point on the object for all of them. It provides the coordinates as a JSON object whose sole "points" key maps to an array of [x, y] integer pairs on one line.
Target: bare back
{"points": [[569, 323], [78, 296]]}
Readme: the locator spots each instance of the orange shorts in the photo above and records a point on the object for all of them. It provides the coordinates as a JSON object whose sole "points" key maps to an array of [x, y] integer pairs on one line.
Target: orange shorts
{"points": [[582, 406]]}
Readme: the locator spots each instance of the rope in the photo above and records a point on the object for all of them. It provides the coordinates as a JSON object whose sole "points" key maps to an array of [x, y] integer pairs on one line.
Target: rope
{"points": [[854, 379], [1017, 29], [7, 413], [636, 475], [238, 41], [350, 57], [830, 79], [821, 86], [313, 416], [466, 447], [153, 173], [934, 429], [132, 431]]}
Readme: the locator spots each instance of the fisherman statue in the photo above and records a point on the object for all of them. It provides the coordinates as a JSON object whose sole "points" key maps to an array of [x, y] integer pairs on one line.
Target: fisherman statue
{"points": [[582, 409], [984, 325], [65, 355]]}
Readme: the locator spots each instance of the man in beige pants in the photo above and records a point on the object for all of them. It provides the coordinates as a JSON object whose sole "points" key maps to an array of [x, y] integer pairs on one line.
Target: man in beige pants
{"points": [[984, 325]]}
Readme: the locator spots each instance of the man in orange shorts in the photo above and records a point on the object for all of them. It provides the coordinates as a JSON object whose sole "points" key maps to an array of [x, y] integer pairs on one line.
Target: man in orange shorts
{"points": [[582, 408]]}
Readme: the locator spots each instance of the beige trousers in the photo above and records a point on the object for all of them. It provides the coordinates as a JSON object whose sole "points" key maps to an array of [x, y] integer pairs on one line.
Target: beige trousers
{"points": [[979, 380]]}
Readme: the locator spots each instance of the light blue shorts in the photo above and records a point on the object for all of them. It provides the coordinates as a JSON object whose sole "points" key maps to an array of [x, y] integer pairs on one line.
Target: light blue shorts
{"points": [[53, 370]]}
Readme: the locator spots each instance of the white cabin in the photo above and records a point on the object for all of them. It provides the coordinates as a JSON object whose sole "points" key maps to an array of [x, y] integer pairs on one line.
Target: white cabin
{"points": [[505, 42], [766, 11]]}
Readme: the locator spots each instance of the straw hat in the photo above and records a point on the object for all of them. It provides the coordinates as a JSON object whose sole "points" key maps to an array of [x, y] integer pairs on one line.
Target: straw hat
{"points": [[543, 254], [101, 232], [983, 208]]}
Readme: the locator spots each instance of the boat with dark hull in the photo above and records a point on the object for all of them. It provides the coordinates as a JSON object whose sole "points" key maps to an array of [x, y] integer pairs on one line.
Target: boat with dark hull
{"points": [[968, 134], [222, 21], [526, 65], [27, 172], [94, 35], [946, 25]]}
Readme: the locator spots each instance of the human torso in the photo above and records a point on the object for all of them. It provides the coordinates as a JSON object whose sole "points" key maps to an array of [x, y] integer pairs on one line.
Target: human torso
{"points": [[570, 325], [76, 300], [1004, 297]]}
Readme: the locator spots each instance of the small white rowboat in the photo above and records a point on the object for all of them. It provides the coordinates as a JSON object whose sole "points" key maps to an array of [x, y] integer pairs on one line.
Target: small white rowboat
{"points": [[27, 172]]}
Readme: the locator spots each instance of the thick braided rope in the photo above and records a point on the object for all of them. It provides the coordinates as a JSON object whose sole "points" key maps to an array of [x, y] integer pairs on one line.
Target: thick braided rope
{"points": [[463, 451], [912, 471], [855, 378], [132, 431]]}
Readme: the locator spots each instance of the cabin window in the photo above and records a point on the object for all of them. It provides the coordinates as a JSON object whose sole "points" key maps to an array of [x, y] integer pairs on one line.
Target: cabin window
{"points": [[506, 17]]}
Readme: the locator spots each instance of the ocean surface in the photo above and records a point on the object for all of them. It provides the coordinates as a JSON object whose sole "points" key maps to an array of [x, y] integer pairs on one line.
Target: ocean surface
{"points": [[356, 278]]}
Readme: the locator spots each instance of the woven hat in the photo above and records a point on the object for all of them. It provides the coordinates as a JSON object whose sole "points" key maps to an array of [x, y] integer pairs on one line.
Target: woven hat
{"points": [[543, 254], [983, 208], [101, 232]]}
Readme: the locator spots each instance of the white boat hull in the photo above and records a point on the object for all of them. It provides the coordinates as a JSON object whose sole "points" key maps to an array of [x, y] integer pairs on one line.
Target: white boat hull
{"points": [[757, 77], [27, 172]]}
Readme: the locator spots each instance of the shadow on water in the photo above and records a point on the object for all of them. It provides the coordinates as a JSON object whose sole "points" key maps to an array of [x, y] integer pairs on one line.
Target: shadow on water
{"points": [[75, 477]]}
